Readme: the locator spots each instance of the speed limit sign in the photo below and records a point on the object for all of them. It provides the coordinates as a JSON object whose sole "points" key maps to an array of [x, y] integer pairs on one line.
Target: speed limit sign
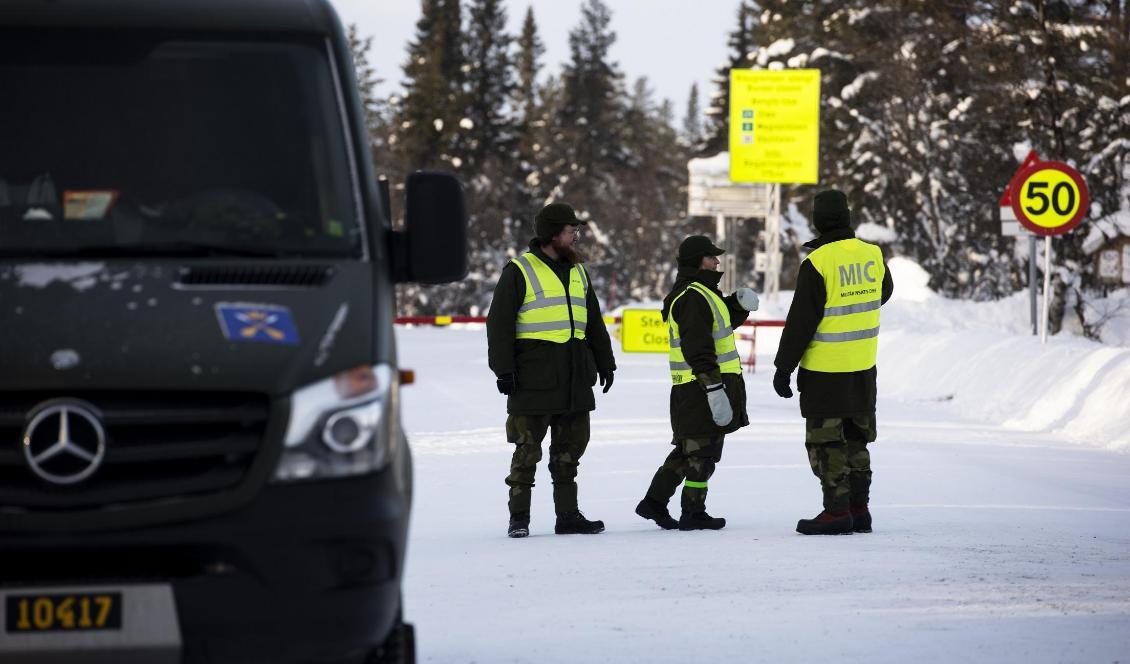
{"points": [[1049, 198]]}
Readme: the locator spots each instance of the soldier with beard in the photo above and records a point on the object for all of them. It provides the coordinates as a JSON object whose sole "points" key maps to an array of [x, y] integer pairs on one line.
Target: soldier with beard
{"points": [[547, 345]]}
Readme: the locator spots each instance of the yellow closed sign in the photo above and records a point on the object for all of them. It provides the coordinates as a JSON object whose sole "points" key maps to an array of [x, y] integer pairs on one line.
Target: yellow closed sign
{"points": [[775, 125], [643, 331]]}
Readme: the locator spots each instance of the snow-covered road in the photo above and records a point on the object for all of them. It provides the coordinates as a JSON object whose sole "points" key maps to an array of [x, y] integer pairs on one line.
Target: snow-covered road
{"points": [[990, 544]]}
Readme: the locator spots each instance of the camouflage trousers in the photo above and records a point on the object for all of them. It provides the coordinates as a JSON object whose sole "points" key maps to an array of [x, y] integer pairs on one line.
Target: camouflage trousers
{"points": [[569, 436], [691, 463], [837, 452]]}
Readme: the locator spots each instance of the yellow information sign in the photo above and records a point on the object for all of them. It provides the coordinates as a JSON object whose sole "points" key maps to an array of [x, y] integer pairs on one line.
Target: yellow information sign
{"points": [[643, 331], [775, 125]]}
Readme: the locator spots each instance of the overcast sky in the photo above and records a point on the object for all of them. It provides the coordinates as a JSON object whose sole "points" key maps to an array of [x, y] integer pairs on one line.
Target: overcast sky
{"points": [[674, 43]]}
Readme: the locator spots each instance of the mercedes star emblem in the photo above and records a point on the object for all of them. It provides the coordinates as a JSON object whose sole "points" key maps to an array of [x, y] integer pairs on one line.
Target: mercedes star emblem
{"points": [[64, 442]]}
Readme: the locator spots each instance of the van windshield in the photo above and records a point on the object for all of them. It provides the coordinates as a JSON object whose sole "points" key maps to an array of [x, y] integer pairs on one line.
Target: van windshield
{"points": [[128, 142]]}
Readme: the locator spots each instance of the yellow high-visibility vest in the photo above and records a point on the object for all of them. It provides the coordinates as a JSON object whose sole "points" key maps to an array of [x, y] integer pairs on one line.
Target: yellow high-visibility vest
{"points": [[847, 338], [725, 346], [547, 312]]}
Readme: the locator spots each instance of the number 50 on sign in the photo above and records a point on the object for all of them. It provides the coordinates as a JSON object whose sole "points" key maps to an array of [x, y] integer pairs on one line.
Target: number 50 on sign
{"points": [[1050, 198]]}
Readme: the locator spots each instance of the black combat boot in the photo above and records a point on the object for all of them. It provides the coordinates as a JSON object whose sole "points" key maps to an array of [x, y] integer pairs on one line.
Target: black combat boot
{"points": [[826, 523], [694, 516], [657, 512], [860, 518], [860, 494], [701, 521], [519, 525], [575, 523]]}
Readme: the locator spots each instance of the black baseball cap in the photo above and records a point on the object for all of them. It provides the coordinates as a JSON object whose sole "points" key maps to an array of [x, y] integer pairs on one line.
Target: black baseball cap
{"points": [[697, 246]]}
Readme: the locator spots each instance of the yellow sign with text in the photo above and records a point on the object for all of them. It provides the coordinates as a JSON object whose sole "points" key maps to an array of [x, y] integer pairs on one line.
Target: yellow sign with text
{"points": [[775, 125], [643, 331]]}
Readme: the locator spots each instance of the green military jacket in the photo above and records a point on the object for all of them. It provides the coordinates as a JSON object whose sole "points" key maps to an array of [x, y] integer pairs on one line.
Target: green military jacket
{"points": [[553, 378]]}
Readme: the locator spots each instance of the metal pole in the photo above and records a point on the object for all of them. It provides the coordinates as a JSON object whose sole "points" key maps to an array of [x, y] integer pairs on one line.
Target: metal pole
{"points": [[1047, 286], [724, 243], [773, 243], [1032, 281]]}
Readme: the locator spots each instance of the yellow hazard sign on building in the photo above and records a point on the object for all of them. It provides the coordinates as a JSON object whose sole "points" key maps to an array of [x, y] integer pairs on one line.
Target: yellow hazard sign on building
{"points": [[775, 125], [643, 331]]}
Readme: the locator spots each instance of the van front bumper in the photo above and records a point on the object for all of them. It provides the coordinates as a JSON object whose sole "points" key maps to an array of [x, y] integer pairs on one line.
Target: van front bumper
{"points": [[306, 572]]}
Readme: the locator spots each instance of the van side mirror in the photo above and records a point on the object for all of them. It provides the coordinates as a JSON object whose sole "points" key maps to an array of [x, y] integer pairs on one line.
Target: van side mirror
{"points": [[432, 249]]}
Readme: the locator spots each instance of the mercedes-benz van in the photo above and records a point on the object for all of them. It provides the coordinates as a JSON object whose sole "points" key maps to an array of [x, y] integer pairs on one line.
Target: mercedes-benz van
{"points": [[201, 457]]}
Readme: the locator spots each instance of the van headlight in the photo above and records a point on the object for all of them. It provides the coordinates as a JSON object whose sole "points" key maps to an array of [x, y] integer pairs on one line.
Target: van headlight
{"points": [[341, 426]]}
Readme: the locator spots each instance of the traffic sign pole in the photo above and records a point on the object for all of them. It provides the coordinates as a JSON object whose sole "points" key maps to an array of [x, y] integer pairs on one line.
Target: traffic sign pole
{"points": [[1032, 285], [1049, 198], [1047, 287]]}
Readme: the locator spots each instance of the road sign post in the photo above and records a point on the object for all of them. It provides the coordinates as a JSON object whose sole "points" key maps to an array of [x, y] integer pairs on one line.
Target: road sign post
{"points": [[1011, 227], [711, 193], [1048, 198]]}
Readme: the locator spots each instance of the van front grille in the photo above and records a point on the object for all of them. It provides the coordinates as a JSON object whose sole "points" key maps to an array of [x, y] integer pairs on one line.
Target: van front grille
{"points": [[159, 445], [273, 276]]}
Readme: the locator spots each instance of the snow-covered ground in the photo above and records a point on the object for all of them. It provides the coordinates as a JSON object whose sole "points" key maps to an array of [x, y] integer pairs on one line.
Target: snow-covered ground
{"points": [[1001, 505]]}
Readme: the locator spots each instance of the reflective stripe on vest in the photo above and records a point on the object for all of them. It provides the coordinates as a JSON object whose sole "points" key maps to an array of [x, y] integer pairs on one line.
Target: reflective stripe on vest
{"points": [[847, 338], [548, 312], [725, 346]]}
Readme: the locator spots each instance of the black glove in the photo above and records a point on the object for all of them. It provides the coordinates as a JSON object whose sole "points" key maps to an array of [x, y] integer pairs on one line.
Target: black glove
{"points": [[781, 384], [606, 379], [507, 383]]}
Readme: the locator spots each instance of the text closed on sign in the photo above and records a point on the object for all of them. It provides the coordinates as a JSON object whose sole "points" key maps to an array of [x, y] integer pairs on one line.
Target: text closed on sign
{"points": [[643, 331]]}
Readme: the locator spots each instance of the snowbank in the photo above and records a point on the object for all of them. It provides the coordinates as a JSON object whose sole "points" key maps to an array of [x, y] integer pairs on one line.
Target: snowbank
{"points": [[981, 359]]}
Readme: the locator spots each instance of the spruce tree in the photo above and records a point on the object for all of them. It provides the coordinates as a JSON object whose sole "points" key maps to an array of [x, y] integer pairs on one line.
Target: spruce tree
{"points": [[741, 43], [651, 204], [692, 121], [367, 81], [490, 83], [592, 82], [530, 51], [430, 110], [527, 157]]}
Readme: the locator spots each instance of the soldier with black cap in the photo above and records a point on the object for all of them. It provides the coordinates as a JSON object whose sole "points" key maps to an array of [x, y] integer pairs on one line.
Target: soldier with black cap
{"points": [[547, 345], [708, 391], [832, 332]]}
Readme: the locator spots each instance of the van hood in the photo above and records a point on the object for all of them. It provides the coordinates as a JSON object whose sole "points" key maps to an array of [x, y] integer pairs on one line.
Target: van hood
{"points": [[255, 326]]}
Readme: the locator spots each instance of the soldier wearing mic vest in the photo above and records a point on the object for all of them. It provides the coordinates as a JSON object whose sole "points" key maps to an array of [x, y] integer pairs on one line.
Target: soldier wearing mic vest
{"points": [[707, 392], [832, 332], [547, 346]]}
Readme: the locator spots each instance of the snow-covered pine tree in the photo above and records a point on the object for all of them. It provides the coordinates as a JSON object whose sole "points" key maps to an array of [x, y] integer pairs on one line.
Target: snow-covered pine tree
{"points": [[1072, 102], [741, 42], [425, 133], [487, 137], [692, 121], [653, 202], [428, 115], [486, 127], [526, 158], [372, 104], [592, 107]]}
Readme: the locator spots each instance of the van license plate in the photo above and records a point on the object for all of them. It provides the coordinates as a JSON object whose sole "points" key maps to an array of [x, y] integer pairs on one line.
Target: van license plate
{"points": [[71, 612]]}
